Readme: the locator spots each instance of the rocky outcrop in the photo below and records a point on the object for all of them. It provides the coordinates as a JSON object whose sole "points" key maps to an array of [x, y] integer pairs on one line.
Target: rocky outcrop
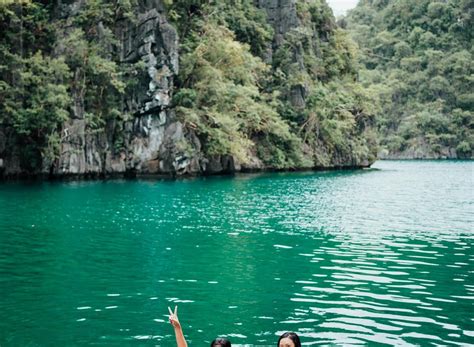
{"points": [[422, 150], [282, 15], [148, 140], [153, 142], [298, 34]]}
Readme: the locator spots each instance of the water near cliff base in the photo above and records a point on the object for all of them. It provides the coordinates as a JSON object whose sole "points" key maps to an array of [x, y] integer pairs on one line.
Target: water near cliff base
{"points": [[379, 256]]}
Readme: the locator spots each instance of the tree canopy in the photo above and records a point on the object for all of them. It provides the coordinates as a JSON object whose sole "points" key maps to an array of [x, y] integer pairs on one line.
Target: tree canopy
{"points": [[418, 57]]}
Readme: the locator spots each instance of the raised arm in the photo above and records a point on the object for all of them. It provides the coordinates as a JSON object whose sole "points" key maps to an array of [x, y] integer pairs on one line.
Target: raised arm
{"points": [[178, 332]]}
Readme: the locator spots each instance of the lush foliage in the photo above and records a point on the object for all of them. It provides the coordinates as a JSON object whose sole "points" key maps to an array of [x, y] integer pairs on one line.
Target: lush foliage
{"points": [[240, 105], [221, 86], [46, 67], [418, 55], [315, 72], [221, 98], [33, 98]]}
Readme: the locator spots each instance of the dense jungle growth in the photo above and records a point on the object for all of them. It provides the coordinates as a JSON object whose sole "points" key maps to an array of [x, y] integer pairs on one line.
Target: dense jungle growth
{"points": [[299, 107], [267, 99], [92, 86], [417, 56]]}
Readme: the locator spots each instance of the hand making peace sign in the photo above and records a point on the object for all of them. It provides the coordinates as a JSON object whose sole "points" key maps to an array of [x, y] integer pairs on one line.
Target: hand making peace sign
{"points": [[180, 340], [174, 317]]}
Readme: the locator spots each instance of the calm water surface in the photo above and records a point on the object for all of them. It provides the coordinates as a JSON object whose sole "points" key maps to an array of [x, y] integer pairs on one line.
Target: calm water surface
{"points": [[380, 257]]}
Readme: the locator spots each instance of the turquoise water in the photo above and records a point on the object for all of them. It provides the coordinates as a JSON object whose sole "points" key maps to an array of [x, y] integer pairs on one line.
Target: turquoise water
{"points": [[381, 256]]}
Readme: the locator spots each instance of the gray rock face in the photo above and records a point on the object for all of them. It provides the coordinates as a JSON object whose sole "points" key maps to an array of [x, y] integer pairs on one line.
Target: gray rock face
{"points": [[422, 150], [155, 42], [281, 15], [154, 142]]}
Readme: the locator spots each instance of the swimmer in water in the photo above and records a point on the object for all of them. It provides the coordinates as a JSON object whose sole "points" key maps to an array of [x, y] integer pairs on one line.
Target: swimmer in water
{"points": [[289, 339], [178, 332], [220, 342]]}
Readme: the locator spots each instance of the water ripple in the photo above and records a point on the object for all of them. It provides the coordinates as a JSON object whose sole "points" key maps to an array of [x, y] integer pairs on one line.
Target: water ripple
{"points": [[379, 256]]}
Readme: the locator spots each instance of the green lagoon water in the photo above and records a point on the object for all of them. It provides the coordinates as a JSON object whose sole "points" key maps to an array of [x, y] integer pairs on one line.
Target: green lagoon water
{"points": [[379, 257]]}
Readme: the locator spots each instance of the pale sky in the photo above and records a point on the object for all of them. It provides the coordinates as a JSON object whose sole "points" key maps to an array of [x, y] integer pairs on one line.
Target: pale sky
{"points": [[340, 7]]}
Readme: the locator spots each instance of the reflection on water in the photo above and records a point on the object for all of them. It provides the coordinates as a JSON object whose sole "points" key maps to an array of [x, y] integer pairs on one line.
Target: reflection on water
{"points": [[375, 256]]}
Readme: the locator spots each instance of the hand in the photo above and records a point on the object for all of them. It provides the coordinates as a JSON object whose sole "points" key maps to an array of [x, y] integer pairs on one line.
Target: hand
{"points": [[174, 318]]}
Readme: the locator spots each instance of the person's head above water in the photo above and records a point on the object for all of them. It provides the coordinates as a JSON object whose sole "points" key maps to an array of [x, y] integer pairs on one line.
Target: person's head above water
{"points": [[289, 340], [220, 342]]}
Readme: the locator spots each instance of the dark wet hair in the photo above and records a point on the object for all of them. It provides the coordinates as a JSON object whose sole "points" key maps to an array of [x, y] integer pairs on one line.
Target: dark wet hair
{"points": [[292, 336], [220, 341]]}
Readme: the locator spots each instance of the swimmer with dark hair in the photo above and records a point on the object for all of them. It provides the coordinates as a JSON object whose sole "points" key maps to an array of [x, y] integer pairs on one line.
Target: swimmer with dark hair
{"points": [[289, 339], [220, 342]]}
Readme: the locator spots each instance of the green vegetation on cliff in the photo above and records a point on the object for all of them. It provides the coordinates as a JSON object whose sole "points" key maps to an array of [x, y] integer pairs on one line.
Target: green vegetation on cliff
{"points": [[45, 62], [418, 58], [221, 90], [268, 99], [33, 98], [301, 107], [221, 98], [315, 72]]}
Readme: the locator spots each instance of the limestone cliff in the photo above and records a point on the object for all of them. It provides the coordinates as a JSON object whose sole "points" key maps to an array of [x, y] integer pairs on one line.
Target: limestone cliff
{"points": [[283, 17], [152, 140], [151, 136], [304, 30]]}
